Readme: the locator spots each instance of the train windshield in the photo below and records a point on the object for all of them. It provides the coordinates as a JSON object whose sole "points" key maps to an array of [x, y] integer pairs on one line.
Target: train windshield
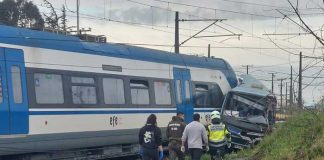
{"points": [[250, 102], [249, 108]]}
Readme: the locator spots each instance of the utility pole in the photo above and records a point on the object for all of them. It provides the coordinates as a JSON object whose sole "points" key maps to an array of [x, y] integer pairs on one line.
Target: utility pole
{"points": [[78, 20], [272, 76], [247, 68], [208, 50], [286, 95], [291, 98], [177, 44], [176, 38], [300, 98], [281, 94]]}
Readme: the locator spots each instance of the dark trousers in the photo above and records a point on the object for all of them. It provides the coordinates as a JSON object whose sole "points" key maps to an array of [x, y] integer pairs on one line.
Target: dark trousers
{"points": [[150, 154], [217, 151], [175, 150], [195, 153]]}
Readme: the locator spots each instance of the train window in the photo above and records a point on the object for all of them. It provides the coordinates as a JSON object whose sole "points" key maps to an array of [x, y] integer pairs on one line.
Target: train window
{"points": [[82, 80], [139, 92], [187, 89], [201, 96], [216, 96], [113, 91], [162, 93], [84, 95], [48, 88], [83, 90], [16, 84], [179, 93]]}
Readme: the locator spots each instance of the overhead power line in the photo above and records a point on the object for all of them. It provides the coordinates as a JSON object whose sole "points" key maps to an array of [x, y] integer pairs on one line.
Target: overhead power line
{"points": [[86, 16], [284, 73], [288, 9], [219, 47], [256, 4], [149, 26], [282, 47], [285, 34], [147, 44], [216, 9]]}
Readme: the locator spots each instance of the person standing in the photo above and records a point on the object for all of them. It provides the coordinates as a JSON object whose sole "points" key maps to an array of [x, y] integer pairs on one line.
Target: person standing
{"points": [[174, 133], [150, 140], [195, 135], [219, 136]]}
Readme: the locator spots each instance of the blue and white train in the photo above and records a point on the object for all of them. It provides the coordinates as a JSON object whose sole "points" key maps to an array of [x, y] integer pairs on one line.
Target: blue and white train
{"points": [[58, 92]]}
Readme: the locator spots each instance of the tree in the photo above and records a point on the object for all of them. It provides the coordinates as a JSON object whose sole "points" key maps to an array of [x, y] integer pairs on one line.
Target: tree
{"points": [[51, 19], [20, 13], [30, 16], [9, 12], [305, 26], [63, 19]]}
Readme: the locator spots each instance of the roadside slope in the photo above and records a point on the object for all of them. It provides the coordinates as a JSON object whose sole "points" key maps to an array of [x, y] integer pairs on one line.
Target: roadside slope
{"points": [[301, 137]]}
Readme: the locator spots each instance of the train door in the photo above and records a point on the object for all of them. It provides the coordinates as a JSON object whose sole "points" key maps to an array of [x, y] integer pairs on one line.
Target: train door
{"points": [[14, 117], [182, 83]]}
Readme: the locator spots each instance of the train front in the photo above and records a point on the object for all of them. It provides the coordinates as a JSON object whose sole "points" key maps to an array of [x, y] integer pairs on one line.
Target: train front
{"points": [[248, 111]]}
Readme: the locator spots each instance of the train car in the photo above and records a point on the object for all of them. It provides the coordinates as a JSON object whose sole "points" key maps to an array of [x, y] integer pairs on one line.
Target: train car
{"points": [[59, 93]]}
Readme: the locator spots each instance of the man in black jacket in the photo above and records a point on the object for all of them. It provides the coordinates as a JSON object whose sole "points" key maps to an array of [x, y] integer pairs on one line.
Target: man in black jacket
{"points": [[174, 133], [150, 140]]}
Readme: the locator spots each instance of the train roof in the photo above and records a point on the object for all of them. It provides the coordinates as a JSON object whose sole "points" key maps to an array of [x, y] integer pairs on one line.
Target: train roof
{"points": [[48, 40], [27, 37]]}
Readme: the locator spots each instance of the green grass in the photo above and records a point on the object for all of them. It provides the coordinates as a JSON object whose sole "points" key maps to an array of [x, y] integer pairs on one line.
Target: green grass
{"points": [[301, 137], [204, 157]]}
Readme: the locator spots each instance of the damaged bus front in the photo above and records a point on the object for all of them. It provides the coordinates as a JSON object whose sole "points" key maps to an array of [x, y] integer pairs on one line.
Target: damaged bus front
{"points": [[248, 112]]}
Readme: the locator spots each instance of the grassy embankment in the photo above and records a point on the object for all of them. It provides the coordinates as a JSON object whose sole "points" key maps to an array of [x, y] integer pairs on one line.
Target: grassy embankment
{"points": [[301, 137]]}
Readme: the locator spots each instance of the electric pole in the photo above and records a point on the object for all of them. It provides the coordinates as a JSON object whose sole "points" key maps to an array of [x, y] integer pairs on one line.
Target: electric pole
{"points": [[208, 50], [300, 98], [247, 68], [291, 98], [176, 38], [272, 76], [177, 44], [78, 20], [286, 95], [281, 94]]}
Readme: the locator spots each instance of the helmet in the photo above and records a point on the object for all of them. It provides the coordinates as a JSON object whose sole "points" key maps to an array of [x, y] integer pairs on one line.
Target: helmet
{"points": [[214, 114]]}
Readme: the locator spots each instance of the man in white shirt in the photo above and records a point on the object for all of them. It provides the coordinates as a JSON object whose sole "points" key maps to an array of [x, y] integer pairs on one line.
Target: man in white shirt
{"points": [[195, 134]]}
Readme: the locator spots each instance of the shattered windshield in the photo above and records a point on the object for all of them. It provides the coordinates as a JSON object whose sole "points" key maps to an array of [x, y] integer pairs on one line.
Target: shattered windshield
{"points": [[247, 107]]}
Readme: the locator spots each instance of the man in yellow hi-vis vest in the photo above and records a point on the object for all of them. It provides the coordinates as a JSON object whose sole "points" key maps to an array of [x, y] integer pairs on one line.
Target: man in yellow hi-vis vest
{"points": [[218, 136]]}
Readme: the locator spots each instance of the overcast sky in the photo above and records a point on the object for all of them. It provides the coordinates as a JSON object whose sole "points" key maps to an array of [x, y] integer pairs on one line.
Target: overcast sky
{"points": [[250, 18]]}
